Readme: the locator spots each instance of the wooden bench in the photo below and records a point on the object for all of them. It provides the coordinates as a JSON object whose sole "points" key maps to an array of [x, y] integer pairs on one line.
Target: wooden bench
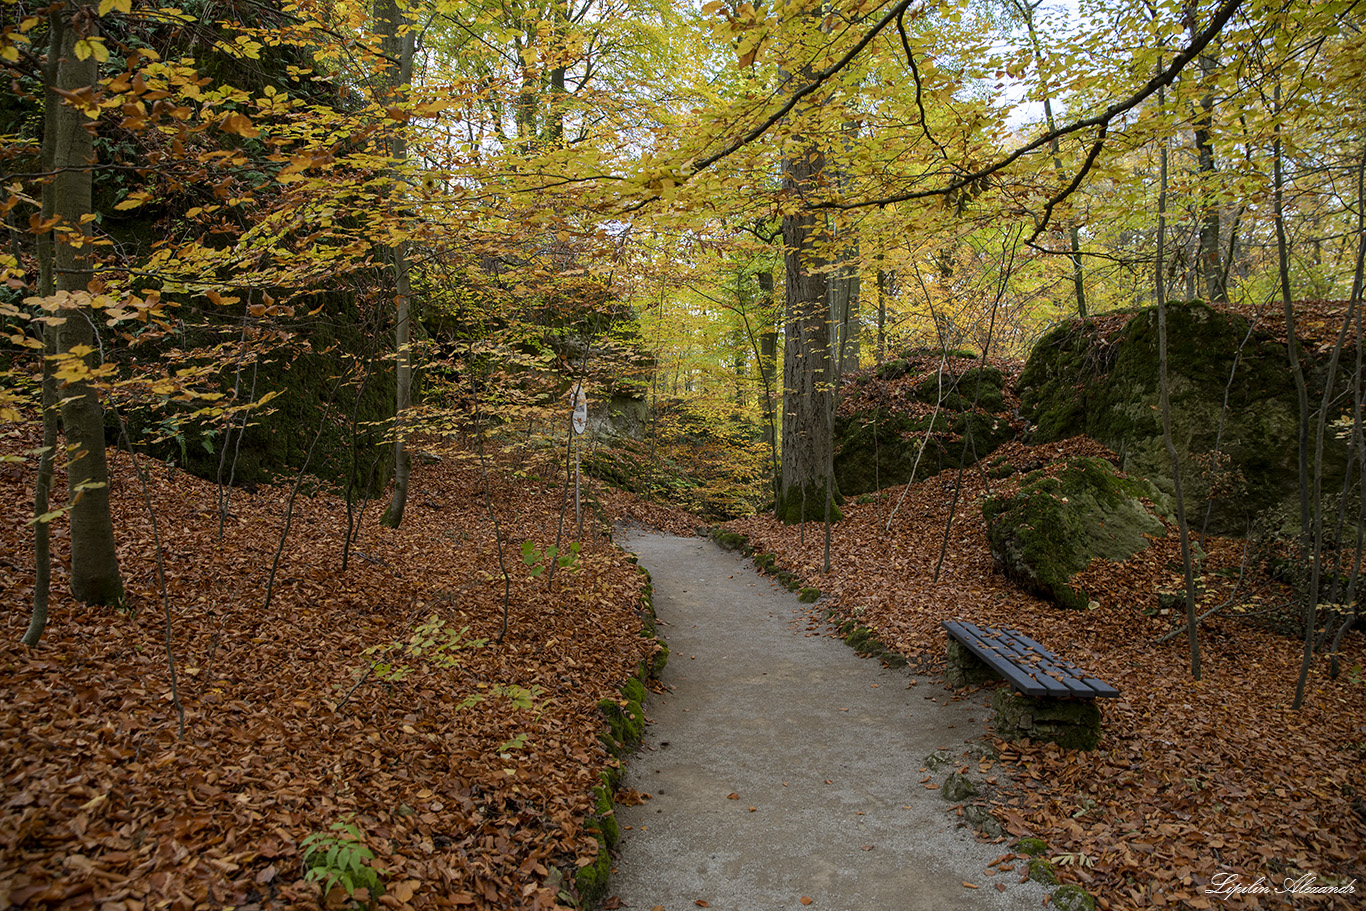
{"points": [[1056, 699]]}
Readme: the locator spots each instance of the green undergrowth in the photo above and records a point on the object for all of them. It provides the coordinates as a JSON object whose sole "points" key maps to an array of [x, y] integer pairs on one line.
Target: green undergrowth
{"points": [[625, 727]]}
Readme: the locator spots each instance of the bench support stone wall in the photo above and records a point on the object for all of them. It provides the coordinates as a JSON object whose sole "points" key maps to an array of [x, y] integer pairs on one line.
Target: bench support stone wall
{"points": [[1070, 723], [965, 668]]}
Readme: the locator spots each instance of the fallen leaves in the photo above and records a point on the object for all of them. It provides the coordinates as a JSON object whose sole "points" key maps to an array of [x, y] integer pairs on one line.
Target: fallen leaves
{"points": [[104, 806]]}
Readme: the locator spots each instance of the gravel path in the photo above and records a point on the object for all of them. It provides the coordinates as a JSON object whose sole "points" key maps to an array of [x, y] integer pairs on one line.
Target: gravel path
{"points": [[782, 767]]}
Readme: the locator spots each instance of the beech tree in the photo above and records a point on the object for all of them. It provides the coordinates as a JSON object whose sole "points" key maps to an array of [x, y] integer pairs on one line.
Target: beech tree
{"points": [[71, 77]]}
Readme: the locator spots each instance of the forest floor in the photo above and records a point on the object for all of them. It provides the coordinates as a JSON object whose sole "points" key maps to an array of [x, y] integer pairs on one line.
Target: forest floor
{"points": [[1195, 783], [473, 802], [468, 790]]}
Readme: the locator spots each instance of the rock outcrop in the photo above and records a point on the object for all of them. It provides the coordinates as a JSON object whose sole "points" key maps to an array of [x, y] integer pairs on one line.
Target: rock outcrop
{"points": [[1235, 411]]}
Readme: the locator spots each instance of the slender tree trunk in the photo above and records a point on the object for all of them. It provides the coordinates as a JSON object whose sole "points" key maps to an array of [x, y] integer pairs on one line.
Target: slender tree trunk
{"points": [[1210, 252], [1301, 388], [1026, 10], [400, 47], [42, 529], [884, 288], [94, 562], [768, 360], [1192, 631]]}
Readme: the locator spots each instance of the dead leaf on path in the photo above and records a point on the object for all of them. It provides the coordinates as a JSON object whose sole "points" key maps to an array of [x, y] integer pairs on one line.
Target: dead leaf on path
{"points": [[806, 899]]}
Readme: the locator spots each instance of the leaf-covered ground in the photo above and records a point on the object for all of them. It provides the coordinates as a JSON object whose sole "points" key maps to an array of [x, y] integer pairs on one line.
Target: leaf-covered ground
{"points": [[105, 807], [1192, 779]]}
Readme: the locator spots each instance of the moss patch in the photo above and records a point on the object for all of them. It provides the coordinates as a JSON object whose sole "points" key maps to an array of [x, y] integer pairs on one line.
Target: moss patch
{"points": [[865, 644], [1055, 526], [625, 719], [1072, 898], [1041, 871]]}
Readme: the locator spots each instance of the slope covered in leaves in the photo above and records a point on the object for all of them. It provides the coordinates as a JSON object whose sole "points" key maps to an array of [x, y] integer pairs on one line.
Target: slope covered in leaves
{"points": [[463, 804], [1192, 778]]}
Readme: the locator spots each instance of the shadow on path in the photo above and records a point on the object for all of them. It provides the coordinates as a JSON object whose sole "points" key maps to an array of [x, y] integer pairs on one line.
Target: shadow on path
{"points": [[822, 750]]}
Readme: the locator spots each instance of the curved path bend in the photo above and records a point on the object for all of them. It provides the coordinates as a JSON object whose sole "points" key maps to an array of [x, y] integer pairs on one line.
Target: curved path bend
{"points": [[822, 750]]}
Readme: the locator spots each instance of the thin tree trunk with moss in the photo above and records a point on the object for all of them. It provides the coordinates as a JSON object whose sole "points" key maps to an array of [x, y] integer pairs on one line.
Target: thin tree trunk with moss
{"points": [[95, 575], [1358, 443], [1301, 388], [1164, 384], [42, 529], [399, 46]]}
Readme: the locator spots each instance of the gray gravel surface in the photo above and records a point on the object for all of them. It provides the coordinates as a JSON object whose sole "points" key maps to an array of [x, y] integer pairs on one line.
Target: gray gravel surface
{"points": [[822, 749]]}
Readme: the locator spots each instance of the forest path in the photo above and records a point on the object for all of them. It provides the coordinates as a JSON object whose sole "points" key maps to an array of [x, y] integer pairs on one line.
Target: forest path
{"points": [[823, 749]]}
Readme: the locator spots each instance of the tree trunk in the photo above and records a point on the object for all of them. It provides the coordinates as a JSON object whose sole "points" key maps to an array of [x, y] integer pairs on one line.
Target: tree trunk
{"points": [[94, 562], [885, 280], [400, 47], [808, 446], [1026, 10], [768, 358], [1210, 253], [846, 296]]}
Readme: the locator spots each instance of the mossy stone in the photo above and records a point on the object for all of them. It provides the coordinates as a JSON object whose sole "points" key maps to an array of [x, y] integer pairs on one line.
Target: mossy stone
{"points": [[880, 448], [1055, 526], [731, 540], [1031, 846], [980, 818], [957, 787], [809, 595], [939, 759], [309, 425], [1078, 380], [966, 669], [1041, 871], [592, 880], [1072, 897]]}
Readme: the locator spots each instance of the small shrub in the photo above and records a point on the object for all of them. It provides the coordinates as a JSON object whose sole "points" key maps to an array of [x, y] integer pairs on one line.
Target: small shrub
{"points": [[339, 857]]}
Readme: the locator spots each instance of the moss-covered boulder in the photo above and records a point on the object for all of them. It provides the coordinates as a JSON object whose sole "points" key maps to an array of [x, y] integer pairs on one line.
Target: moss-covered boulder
{"points": [[1099, 377], [1057, 524], [889, 414]]}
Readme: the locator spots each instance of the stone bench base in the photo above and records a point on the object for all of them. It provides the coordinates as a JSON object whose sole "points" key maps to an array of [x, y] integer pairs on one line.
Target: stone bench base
{"points": [[1070, 723]]}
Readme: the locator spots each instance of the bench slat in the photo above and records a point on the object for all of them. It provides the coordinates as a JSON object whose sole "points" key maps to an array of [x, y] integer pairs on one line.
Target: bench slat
{"points": [[997, 654], [1028, 665], [1065, 672]]}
